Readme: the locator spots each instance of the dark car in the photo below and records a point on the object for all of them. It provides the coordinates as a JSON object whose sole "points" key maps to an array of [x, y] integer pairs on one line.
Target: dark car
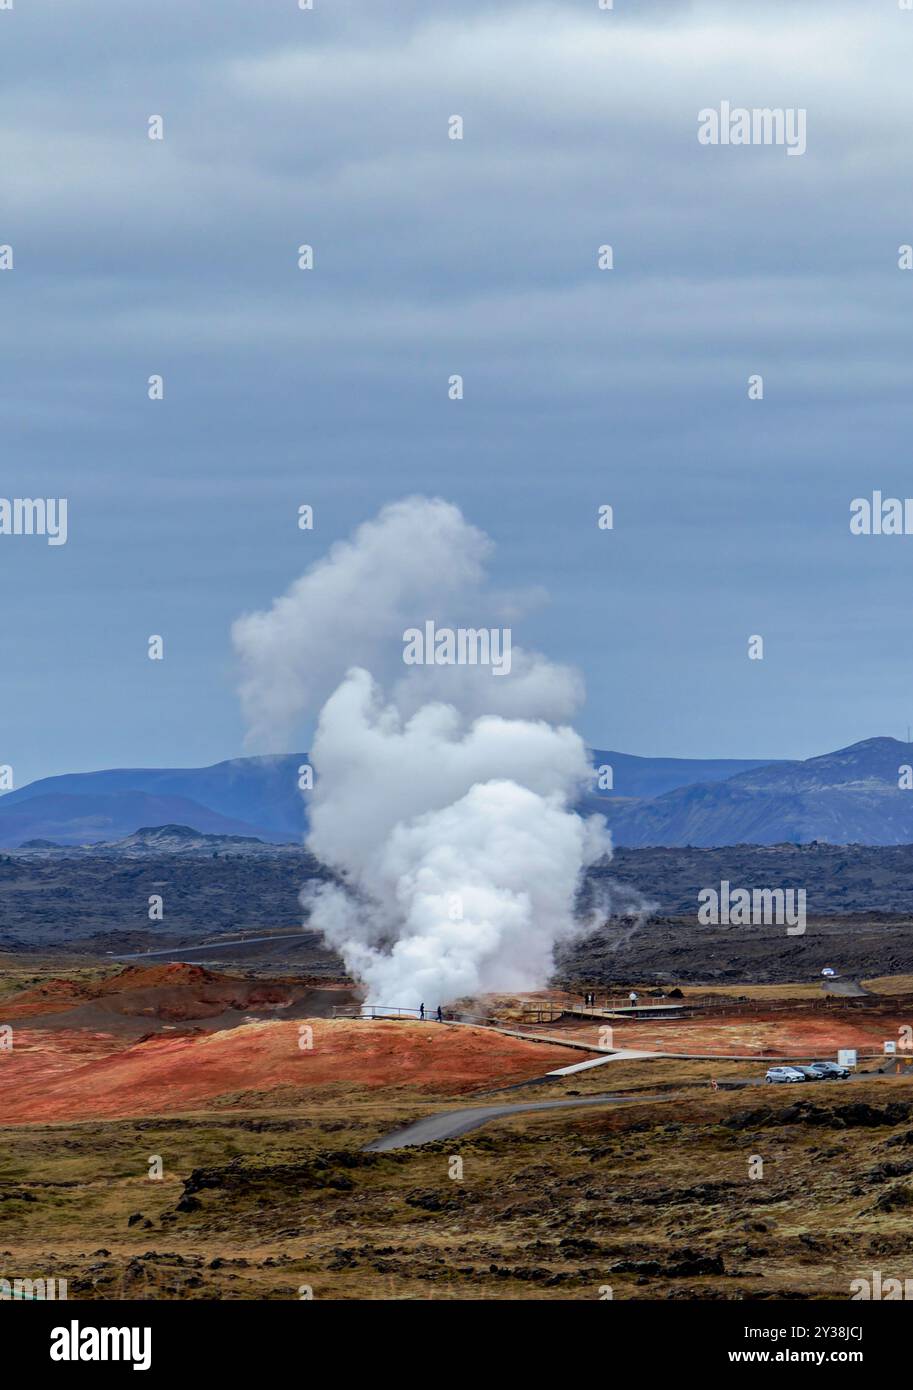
{"points": [[811, 1073], [829, 1071]]}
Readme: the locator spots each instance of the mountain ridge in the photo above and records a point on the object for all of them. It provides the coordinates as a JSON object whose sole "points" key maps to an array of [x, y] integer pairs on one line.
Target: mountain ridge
{"points": [[256, 796], [849, 796]]}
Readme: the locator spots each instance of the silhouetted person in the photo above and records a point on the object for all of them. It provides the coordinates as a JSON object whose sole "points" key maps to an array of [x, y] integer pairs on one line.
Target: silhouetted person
{"points": [[421, 1011], [440, 1016]]}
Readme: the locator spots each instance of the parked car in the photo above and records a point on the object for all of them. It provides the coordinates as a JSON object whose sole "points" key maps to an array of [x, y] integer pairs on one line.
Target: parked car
{"points": [[830, 1071], [810, 1073], [784, 1074]]}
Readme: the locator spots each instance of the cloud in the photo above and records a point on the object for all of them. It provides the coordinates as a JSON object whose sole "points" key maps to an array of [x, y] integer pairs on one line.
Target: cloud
{"points": [[434, 256]]}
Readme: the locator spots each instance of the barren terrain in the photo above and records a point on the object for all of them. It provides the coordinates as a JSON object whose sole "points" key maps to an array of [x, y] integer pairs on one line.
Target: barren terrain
{"points": [[266, 1190], [88, 902]]}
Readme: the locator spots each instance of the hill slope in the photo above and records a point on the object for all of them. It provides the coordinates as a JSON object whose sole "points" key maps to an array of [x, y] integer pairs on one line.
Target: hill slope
{"points": [[245, 796], [259, 795], [847, 797], [89, 818], [850, 796]]}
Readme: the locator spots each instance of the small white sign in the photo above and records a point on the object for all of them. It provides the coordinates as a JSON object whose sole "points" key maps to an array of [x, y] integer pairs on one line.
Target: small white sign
{"points": [[890, 1047], [846, 1057]]}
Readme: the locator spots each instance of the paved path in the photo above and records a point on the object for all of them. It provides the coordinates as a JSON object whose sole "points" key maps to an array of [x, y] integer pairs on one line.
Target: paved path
{"points": [[850, 989], [451, 1123], [619, 1056], [213, 947]]}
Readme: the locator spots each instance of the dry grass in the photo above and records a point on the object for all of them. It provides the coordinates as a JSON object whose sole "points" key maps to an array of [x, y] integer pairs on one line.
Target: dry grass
{"points": [[653, 1198], [763, 993], [547, 1204], [890, 984], [19, 972]]}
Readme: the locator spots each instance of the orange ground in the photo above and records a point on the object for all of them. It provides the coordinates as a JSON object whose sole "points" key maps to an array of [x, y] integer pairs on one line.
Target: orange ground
{"points": [[176, 991], [69, 1074], [772, 1033]]}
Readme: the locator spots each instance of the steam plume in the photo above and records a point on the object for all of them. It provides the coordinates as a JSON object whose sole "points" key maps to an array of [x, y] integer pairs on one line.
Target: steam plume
{"points": [[442, 796]]}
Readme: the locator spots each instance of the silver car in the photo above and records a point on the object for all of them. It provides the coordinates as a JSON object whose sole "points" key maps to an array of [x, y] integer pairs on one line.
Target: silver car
{"points": [[784, 1074]]}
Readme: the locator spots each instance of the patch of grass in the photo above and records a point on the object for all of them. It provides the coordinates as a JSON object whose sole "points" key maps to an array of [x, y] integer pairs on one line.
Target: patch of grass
{"points": [[656, 1200]]}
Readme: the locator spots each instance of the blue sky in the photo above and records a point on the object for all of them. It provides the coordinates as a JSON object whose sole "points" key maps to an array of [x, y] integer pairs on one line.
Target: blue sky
{"points": [[478, 257]]}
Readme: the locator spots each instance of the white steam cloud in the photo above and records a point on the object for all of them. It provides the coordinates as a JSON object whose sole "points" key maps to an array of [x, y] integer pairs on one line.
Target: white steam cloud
{"points": [[443, 796]]}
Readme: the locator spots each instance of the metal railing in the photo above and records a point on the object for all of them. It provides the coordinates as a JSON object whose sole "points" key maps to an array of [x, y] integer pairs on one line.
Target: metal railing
{"points": [[387, 1011]]}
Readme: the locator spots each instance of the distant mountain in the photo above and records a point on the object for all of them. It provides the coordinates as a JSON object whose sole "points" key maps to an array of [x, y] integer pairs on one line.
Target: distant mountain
{"points": [[648, 777], [78, 819], [848, 797], [244, 796], [183, 839], [172, 835], [851, 796]]}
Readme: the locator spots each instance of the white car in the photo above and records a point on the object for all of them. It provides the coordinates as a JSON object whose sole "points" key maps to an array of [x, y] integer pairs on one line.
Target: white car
{"points": [[784, 1074]]}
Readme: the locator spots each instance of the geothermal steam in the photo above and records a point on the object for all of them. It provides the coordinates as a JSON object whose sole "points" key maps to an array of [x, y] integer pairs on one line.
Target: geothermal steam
{"points": [[442, 794]]}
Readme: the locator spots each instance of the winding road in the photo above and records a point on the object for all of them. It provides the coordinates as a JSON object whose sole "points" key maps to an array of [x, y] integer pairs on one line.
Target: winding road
{"points": [[178, 953], [451, 1123]]}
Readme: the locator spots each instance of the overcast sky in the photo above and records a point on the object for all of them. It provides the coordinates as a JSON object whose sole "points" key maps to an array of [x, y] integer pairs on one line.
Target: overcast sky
{"points": [[477, 257]]}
